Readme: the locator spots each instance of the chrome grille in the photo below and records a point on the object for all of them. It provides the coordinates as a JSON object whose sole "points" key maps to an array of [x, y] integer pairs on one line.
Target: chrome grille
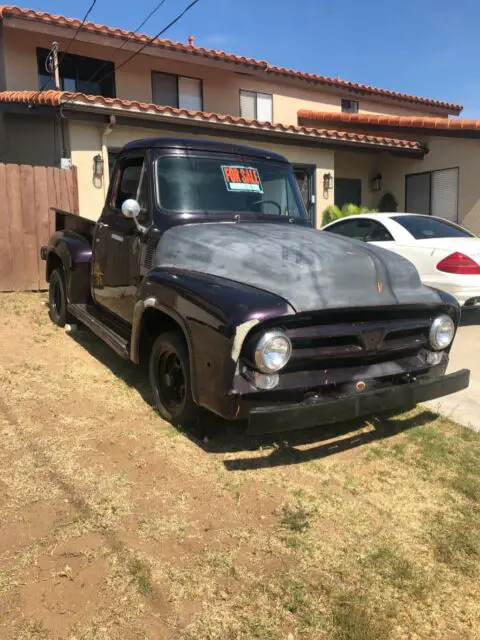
{"points": [[347, 343]]}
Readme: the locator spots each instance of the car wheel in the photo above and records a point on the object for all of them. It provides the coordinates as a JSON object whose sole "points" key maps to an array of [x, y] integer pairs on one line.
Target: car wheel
{"points": [[169, 373], [57, 298]]}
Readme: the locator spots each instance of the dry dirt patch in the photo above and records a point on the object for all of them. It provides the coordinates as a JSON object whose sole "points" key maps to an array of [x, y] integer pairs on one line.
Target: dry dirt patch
{"points": [[115, 525]]}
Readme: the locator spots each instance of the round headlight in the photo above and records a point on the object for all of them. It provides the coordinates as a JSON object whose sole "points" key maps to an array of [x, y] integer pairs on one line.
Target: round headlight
{"points": [[272, 352], [442, 332]]}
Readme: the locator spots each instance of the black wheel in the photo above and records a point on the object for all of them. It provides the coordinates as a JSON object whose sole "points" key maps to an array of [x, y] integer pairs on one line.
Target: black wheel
{"points": [[169, 372], [57, 299]]}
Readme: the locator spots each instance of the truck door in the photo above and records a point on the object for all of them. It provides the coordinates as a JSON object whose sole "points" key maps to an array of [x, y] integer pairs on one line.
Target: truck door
{"points": [[117, 244]]}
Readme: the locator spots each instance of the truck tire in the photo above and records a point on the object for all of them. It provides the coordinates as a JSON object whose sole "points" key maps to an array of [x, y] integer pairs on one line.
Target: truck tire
{"points": [[57, 298], [169, 373]]}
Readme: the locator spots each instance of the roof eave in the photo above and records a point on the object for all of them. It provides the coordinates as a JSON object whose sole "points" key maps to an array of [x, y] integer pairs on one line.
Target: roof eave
{"points": [[248, 129]]}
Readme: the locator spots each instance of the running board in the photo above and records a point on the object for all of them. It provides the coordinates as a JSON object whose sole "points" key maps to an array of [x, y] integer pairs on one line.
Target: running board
{"points": [[93, 320]]}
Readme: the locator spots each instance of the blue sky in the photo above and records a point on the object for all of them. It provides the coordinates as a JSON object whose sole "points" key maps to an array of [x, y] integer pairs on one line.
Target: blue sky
{"points": [[424, 47]]}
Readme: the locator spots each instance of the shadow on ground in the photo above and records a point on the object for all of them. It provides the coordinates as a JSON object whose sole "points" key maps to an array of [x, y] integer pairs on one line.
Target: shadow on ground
{"points": [[217, 436]]}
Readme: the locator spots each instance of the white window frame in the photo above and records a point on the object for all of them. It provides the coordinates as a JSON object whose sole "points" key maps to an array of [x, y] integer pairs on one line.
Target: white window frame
{"points": [[178, 79], [256, 94]]}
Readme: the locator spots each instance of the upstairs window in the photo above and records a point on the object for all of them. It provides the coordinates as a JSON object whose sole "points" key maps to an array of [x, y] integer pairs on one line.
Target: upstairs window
{"points": [[256, 106], [349, 106], [78, 73], [177, 91]]}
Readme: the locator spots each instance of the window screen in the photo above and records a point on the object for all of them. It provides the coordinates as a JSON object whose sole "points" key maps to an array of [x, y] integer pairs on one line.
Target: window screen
{"points": [[417, 198], [164, 89], [256, 106], [248, 104], [264, 107], [433, 192], [177, 91], [190, 93], [445, 194]]}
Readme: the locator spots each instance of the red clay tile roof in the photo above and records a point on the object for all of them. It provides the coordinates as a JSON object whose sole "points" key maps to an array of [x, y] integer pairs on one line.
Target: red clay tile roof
{"points": [[399, 122], [65, 98], [7, 11]]}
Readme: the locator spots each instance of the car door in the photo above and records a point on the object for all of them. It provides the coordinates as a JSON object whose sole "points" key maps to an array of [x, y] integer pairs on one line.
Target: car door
{"points": [[117, 243]]}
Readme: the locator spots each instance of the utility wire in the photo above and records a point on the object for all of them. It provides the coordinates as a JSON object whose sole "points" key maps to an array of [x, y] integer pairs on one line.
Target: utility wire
{"points": [[150, 40], [152, 12], [89, 11], [72, 40]]}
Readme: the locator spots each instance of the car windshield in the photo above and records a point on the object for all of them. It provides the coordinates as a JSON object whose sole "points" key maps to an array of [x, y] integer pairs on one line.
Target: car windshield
{"points": [[423, 227], [219, 185]]}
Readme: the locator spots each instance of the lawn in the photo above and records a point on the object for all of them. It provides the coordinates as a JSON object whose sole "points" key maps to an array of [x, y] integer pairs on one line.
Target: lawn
{"points": [[115, 525]]}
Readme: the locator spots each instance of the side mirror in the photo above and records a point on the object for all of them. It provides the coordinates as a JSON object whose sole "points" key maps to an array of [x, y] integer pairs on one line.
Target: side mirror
{"points": [[131, 209]]}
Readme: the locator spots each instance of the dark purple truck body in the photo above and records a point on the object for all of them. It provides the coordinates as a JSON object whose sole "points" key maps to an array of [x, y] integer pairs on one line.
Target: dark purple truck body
{"points": [[358, 317]]}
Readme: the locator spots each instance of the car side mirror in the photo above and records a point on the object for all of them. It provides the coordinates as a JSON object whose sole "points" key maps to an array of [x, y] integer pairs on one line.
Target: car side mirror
{"points": [[131, 209]]}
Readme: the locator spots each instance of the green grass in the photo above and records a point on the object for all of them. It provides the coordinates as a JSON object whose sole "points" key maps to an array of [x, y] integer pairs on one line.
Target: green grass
{"points": [[297, 600], [353, 621], [297, 517], [141, 574], [456, 540], [398, 571]]}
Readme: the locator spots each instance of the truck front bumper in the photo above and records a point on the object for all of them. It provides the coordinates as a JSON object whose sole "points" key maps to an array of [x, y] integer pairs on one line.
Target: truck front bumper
{"points": [[318, 411]]}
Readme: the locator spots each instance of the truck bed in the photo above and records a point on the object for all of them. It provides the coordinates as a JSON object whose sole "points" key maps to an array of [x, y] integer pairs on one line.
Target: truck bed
{"points": [[65, 221]]}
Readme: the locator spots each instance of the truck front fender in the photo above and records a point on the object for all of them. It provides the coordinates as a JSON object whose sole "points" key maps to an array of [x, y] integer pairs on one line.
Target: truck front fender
{"points": [[214, 315]]}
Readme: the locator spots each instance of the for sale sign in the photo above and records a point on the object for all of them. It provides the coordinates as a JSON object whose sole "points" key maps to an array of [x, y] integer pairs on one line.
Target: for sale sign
{"points": [[238, 178]]}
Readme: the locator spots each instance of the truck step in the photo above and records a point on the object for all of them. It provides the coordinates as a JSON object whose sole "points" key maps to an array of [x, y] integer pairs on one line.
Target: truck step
{"points": [[94, 321]]}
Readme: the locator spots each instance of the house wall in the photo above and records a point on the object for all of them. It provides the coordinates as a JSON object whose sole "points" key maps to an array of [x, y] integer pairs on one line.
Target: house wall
{"points": [[351, 164], [444, 153], [2, 61], [221, 85], [85, 141]]}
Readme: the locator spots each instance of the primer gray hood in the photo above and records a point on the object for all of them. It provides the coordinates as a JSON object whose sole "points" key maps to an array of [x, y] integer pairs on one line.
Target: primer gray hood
{"points": [[310, 269]]}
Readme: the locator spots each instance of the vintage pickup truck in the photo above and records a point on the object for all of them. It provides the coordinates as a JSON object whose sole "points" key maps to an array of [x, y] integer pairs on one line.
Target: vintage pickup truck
{"points": [[204, 265]]}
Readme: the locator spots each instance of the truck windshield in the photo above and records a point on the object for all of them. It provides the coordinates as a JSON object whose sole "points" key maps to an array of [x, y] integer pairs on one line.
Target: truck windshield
{"points": [[214, 185]]}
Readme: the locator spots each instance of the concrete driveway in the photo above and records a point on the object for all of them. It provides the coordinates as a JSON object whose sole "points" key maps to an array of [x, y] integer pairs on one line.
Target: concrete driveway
{"points": [[464, 406]]}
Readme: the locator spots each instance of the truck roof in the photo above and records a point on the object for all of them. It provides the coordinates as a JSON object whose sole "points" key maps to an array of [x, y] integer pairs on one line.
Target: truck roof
{"points": [[198, 144]]}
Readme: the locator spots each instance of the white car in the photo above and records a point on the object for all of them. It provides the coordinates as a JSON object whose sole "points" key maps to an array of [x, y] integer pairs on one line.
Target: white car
{"points": [[446, 255]]}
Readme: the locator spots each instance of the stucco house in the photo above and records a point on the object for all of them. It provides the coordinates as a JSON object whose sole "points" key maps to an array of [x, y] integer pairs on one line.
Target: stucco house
{"points": [[348, 142]]}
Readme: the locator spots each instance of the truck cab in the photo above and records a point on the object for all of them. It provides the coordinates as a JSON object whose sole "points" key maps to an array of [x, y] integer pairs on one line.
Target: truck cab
{"points": [[204, 265]]}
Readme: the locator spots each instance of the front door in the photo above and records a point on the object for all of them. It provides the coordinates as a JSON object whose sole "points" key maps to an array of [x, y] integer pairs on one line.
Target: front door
{"points": [[117, 244], [304, 177]]}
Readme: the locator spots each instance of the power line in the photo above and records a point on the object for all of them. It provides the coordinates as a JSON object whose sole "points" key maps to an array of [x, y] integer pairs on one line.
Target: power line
{"points": [[89, 11], [152, 12], [72, 40], [150, 40]]}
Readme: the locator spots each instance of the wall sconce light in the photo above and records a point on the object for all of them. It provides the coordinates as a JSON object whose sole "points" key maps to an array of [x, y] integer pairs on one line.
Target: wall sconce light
{"points": [[377, 182], [98, 165], [327, 182]]}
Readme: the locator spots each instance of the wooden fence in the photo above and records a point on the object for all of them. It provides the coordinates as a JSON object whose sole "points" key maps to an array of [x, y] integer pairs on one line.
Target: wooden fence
{"points": [[26, 221]]}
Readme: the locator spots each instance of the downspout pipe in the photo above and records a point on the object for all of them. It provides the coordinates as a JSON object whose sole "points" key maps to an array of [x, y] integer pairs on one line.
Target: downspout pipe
{"points": [[106, 172]]}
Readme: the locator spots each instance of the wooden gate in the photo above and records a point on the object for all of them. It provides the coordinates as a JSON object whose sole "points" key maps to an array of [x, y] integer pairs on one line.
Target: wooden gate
{"points": [[26, 195]]}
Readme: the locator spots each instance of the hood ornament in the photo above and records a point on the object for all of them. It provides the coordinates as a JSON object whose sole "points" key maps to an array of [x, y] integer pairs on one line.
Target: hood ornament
{"points": [[380, 286]]}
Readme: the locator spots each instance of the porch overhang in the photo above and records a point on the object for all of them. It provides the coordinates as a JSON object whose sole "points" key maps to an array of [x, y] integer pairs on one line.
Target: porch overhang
{"points": [[407, 127], [132, 112]]}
